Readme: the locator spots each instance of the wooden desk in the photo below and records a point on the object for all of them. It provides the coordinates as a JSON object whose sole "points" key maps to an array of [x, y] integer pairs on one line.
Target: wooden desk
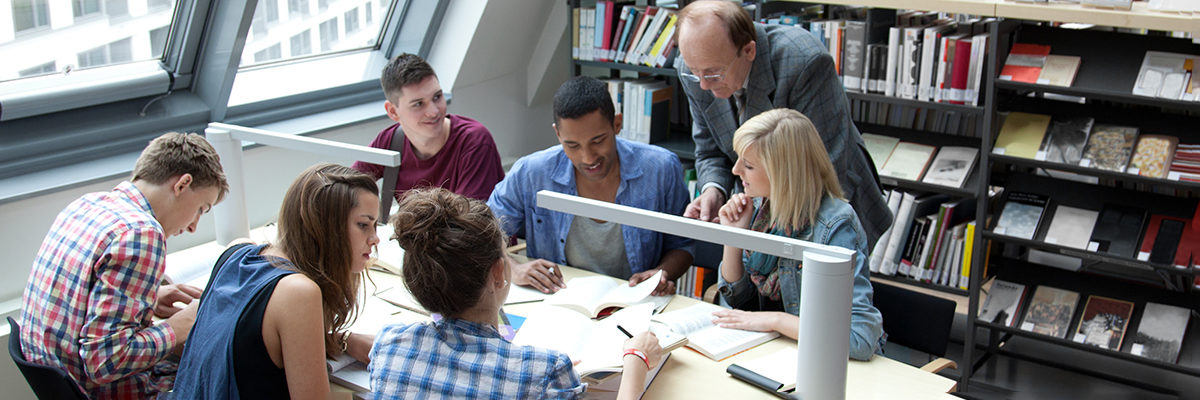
{"points": [[699, 377]]}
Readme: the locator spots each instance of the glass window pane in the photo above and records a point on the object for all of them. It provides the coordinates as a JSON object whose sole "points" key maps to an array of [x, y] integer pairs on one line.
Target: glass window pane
{"points": [[86, 34], [338, 25], [43, 69]]}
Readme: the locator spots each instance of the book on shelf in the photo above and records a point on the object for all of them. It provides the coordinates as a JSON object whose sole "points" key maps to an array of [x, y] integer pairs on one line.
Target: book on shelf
{"points": [[949, 215], [1025, 62], [894, 200], [592, 295], [1065, 140], [1071, 226], [951, 166], [1059, 70], [964, 278], [1021, 214], [945, 66], [1167, 75], [879, 147], [1152, 156], [1103, 322], [714, 342], [960, 71], [895, 39], [1003, 302], [1160, 333], [1117, 230], [930, 52], [915, 244], [1161, 239], [1185, 166], [1109, 147], [876, 67], [919, 206], [595, 344], [908, 161], [1022, 134], [1050, 311], [854, 55]]}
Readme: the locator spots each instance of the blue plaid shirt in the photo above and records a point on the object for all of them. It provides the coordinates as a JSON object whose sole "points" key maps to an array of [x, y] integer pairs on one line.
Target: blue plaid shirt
{"points": [[651, 179], [453, 358]]}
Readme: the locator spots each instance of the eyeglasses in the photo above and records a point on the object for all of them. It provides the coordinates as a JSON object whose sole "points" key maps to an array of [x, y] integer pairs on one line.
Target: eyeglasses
{"points": [[712, 78]]}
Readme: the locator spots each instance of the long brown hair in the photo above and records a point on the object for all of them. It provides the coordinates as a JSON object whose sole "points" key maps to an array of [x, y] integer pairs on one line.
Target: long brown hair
{"points": [[450, 243], [313, 236]]}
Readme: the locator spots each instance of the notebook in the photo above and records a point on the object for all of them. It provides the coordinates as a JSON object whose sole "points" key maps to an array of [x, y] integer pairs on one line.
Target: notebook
{"points": [[713, 341], [597, 345]]}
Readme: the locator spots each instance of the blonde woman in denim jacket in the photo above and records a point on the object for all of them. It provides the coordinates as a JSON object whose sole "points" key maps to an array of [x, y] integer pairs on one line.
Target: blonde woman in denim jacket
{"points": [[791, 190]]}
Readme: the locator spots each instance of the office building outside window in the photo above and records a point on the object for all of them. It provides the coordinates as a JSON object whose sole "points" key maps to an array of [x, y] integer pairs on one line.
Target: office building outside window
{"points": [[30, 14]]}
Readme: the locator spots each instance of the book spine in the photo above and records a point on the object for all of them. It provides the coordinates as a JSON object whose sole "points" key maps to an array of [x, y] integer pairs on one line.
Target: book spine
{"points": [[891, 256], [978, 54], [964, 279], [889, 87], [962, 62], [876, 261]]}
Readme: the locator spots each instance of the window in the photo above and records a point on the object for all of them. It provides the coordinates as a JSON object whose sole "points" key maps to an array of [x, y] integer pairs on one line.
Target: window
{"points": [[47, 68], [297, 9], [158, 41], [269, 54], [329, 34], [148, 71], [30, 14], [115, 52], [116, 8], [302, 43], [84, 8], [351, 19]]}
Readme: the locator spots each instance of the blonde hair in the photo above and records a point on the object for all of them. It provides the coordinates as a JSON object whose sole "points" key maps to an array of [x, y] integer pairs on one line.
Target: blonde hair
{"points": [[795, 161]]}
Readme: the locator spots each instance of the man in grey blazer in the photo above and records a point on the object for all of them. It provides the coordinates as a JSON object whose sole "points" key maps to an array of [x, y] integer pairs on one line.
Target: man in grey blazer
{"points": [[739, 69]]}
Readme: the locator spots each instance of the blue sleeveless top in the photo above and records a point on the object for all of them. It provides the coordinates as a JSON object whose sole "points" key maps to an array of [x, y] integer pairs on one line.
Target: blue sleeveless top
{"points": [[225, 343]]}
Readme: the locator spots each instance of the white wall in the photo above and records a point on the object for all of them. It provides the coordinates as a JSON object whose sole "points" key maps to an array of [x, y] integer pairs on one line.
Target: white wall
{"points": [[483, 53]]}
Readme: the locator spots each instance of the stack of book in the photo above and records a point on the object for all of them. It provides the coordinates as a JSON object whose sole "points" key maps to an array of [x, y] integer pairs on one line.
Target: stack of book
{"points": [[931, 240], [1185, 165], [924, 56], [628, 34], [645, 106], [1033, 63], [917, 162], [1103, 321]]}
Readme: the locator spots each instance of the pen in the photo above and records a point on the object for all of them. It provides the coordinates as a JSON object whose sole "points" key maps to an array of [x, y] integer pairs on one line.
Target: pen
{"points": [[624, 331]]}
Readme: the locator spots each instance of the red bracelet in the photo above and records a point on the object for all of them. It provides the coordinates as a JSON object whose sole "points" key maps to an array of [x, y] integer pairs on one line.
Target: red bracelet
{"points": [[639, 354]]}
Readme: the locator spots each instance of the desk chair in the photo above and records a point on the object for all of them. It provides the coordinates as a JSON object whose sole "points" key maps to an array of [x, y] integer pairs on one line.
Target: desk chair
{"points": [[918, 321], [47, 382]]}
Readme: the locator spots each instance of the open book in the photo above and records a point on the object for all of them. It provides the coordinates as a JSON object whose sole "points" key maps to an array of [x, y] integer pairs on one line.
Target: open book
{"points": [[346, 371], [591, 295], [596, 345], [703, 336]]}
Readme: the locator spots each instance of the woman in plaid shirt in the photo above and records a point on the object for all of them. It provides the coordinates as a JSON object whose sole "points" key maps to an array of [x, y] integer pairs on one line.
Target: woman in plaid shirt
{"points": [[454, 265]]}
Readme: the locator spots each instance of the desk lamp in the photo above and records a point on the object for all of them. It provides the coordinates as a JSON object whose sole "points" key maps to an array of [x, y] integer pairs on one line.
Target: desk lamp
{"points": [[823, 342], [230, 220]]}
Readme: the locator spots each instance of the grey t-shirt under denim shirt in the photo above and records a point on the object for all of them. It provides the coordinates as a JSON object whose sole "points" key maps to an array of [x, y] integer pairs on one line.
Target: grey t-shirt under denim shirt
{"points": [[597, 247]]}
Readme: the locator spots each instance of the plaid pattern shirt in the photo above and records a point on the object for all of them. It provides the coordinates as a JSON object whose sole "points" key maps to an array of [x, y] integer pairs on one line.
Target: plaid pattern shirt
{"points": [[453, 358], [91, 295]]}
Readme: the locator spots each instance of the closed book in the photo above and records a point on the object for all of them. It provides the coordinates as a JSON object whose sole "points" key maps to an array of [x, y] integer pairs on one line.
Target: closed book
{"points": [[930, 51], [1160, 242], [1025, 62], [960, 71], [895, 197], [1021, 214], [964, 280], [877, 70], [854, 55], [1109, 147], [1071, 226], [1066, 140], [1050, 311], [1117, 230], [1022, 134], [1103, 322], [1059, 70], [1003, 303], [1152, 156], [575, 33], [908, 161], [975, 69], [951, 166], [910, 62], [945, 68], [891, 78], [1160, 333], [879, 147]]}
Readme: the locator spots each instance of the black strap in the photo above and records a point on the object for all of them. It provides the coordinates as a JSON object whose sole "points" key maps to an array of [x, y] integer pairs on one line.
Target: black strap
{"points": [[388, 190], [217, 267]]}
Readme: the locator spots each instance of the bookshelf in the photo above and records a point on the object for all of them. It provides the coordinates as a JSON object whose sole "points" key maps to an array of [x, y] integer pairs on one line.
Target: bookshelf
{"points": [[1110, 64]]}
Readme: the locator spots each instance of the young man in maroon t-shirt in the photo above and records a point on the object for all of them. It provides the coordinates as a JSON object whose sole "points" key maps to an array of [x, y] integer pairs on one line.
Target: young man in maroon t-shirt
{"points": [[440, 149]]}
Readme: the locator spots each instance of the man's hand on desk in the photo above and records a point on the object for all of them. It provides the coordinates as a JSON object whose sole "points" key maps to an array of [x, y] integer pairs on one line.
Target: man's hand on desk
{"points": [[539, 274], [170, 294], [665, 286]]}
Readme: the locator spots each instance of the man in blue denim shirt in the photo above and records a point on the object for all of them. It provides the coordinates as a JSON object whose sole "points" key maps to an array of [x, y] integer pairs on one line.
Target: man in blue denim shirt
{"points": [[592, 162]]}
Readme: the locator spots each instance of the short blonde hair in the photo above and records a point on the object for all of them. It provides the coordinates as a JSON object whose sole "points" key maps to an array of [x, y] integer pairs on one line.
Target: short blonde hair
{"points": [[795, 161]]}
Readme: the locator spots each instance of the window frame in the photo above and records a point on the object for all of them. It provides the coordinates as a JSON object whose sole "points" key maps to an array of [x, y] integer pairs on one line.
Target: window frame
{"points": [[183, 91]]}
